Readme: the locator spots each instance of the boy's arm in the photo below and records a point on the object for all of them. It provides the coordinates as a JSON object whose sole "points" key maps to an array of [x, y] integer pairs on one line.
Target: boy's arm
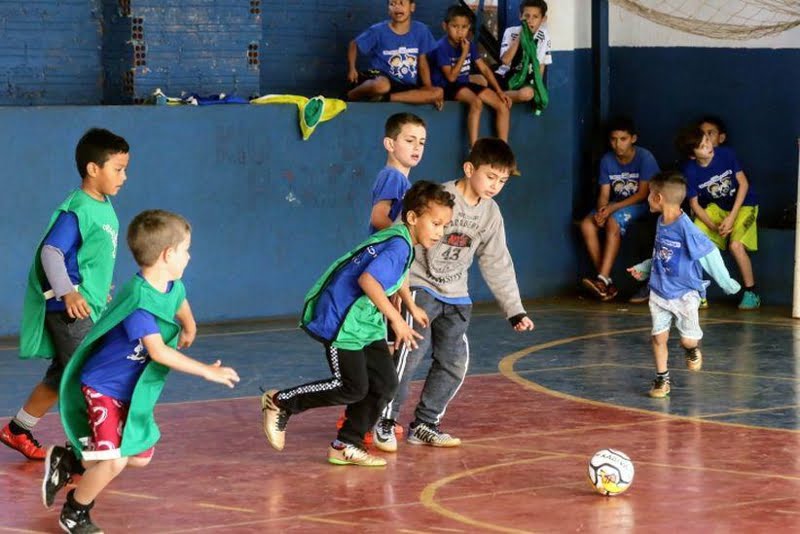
{"points": [[352, 56], [451, 72], [641, 271], [379, 218], [424, 70], [419, 315], [509, 47], [714, 265], [702, 214], [726, 226], [489, 75], [375, 292], [63, 236], [165, 355], [188, 325]]}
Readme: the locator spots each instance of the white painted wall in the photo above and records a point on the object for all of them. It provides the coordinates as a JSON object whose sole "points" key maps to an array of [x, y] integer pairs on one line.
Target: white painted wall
{"points": [[629, 29]]}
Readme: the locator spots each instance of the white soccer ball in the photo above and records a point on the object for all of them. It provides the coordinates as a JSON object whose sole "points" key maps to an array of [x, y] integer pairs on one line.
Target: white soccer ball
{"points": [[610, 472]]}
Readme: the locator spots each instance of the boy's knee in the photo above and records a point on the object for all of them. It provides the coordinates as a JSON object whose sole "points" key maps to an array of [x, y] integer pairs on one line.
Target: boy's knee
{"points": [[353, 391], [116, 466], [526, 94], [476, 105], [139, 461], [737, 247], [437, 92]]}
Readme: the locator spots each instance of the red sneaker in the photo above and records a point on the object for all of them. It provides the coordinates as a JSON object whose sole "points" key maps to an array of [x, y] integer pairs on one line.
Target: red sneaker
{"points": [[24, 443]]}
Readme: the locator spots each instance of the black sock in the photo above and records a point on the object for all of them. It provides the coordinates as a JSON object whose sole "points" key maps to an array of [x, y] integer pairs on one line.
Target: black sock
{"points": [[691, 353], [75, 505], [751, 288], [15, 428], [664, 375]]}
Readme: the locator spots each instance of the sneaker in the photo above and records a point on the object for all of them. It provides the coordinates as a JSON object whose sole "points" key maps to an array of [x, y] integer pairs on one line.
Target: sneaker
{"points": [[703, 304], [273, 420], [56, 473], [641, 296], [660, 388], [23, 442], [428, 434], [595, 286], [611, 292], [77, 521], [340, 424], [384, 437], [340, 453], [694, 359], [750, 301]]}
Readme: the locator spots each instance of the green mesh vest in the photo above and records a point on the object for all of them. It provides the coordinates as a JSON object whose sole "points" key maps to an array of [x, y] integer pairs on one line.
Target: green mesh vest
{"points": [[99, 228], [363, 323], [141, 431]]}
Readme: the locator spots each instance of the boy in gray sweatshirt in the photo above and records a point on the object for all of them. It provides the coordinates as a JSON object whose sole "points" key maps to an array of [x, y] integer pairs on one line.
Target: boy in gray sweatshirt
{"points": [[438, 279]]}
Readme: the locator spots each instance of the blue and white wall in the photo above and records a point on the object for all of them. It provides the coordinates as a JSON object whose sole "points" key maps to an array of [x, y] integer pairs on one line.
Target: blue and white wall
{"points": [[270, 211], [666, 78]]}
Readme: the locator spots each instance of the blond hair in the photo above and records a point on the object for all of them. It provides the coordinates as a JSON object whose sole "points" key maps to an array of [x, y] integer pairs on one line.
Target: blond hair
{"points": [[153, 231]]}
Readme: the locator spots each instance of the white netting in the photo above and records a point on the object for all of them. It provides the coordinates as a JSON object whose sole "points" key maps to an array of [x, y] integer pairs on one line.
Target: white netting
{"points": [[719, 19]]}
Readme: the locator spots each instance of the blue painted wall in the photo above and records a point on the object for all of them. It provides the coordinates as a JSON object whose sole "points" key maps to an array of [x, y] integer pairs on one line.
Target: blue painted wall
{"points": [[270, 211]]}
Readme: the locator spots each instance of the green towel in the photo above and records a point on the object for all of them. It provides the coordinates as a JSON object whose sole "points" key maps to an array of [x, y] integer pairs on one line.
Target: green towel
{"points": [[530, 73]]}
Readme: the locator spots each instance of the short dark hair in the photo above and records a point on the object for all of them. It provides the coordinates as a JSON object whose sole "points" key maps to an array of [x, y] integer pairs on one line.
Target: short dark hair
{"points": [[688, 140], [152, 231], [395, 123], [621, 124], [541, 4], [671, 185], [716, 121], [493, 152], [424, 193], [96, 146], [459, 10]]}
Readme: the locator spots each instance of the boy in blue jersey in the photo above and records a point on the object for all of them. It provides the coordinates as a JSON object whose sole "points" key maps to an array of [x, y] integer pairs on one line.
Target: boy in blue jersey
{"points": [[624, 175], [680, 254], [404, 141], [345, 311], [398, 66], [113, 381], [724, 203], [451, 62], [70, 280]]}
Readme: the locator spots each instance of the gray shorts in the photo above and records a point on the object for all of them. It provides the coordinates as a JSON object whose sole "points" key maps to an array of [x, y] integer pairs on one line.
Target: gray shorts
{"points": [[67, 334], [683, 309]]}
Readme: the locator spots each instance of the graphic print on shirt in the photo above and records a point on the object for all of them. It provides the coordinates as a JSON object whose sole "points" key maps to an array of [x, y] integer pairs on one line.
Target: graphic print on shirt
{"points": [[139, 354], [402, 61], [666, 254], [720, 185], [445, 260], [624, 184]]}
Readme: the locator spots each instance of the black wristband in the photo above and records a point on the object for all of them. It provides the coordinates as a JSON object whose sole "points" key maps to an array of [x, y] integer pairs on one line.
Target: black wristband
{"points": [[516, 319]]}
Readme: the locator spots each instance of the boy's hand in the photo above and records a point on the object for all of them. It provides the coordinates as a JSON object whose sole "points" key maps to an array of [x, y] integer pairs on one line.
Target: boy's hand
{"points": [[636, 273], [352, 76], [419, 315], [726, 226], [186, 338], [464, 47], [76, 306], [221, 375], [505, 99], [599, 218], [404, 334], [521, 323]]}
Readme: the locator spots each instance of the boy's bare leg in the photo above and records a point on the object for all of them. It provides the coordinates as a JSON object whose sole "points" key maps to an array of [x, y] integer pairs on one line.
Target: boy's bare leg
{"points": [[371, 88], [613, 241], [502, 119], [739, 253], [660, 351], [479, 79], [41, 399], [99, 474], [519, 96], [423, 95], [591, 237], [475, 106]]}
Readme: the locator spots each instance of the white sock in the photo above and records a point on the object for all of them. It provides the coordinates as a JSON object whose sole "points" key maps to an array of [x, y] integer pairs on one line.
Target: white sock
{"points": [[604, 279], [25, 420]]}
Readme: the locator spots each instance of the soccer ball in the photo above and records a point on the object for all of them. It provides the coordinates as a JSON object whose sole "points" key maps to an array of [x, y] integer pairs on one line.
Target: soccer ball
{"points": [[610, 472]]}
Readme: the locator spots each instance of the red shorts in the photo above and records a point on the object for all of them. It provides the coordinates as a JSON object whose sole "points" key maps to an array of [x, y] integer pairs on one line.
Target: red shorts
{"points": [[107, 416]]}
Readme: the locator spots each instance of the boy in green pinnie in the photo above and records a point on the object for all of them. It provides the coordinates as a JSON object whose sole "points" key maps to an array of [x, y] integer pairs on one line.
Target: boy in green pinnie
{"points": [[112, 383]]}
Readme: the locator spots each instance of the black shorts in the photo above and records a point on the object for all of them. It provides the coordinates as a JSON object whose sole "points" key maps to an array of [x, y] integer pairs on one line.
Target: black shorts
{"points": [[451, 89], [396, 86], [67, 334]]}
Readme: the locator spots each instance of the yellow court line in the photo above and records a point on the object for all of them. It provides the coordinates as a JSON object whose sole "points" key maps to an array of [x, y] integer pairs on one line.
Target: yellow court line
{"points": [[745, 503], [746, 411], [428, 495], [706, 372], [228, 508], [506, 367], [586, 428], [323, 520], [24, 530], [793, 512], [133, 495]]}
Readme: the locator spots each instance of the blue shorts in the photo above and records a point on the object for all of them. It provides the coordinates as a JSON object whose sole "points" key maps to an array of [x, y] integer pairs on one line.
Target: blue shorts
{"points": [[625, 216]]}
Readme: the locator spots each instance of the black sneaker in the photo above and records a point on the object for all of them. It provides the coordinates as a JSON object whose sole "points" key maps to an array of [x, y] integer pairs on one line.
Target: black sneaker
{"points": [[384, 437], [77, 521], [56, 473], [420, 433]]}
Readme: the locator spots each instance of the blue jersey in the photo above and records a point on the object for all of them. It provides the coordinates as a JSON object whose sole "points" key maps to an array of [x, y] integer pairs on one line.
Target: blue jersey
{"points": [[396, 55], [120, 357], [385, 261], [65, 235], [391, 185], [624, 179], [447, 55], [716, 182], [678, 247]]}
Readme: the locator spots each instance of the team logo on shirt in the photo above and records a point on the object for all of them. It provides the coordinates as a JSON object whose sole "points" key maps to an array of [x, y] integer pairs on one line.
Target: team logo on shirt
{"points": [[720, 186], [402, 61], [113, 234], [139, 354], [458, 240], [625, 184]]}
